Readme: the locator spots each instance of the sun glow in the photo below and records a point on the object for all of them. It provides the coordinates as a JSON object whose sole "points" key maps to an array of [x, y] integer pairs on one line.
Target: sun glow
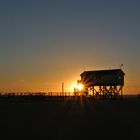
{"points": [[79, 87], [72, 87], [76, 86]]}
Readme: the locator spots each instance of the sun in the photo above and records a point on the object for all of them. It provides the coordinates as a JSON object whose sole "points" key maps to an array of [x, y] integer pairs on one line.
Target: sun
{"points": [[80, 87], [76, 86]]}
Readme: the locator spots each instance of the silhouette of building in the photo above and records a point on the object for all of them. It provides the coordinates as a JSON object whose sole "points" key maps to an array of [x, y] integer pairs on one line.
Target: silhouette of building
{"points": [[108, 83]]}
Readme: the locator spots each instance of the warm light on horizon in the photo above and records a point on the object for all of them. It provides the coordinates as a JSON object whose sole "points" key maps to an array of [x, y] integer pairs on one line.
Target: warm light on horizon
{"points": [[72, 86], [76, 86], [79, 87]]}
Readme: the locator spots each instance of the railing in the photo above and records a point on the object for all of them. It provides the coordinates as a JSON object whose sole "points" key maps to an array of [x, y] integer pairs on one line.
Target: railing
{"points": [[12, 94]]}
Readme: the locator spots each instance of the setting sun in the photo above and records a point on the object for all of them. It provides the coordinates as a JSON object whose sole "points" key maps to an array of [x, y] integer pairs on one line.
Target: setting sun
{"points": [[79, 87], [76, 86]]}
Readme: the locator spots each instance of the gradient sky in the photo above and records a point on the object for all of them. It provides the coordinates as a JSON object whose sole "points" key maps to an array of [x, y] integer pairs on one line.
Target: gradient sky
{"points": [[45, 42]]}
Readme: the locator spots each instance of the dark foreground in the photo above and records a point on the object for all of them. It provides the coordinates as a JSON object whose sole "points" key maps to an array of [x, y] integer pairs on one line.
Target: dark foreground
{"points": [[69, 119]]}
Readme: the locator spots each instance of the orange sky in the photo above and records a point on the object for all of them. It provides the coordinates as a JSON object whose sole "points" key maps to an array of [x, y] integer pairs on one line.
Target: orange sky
{"points": [[45, 43]]}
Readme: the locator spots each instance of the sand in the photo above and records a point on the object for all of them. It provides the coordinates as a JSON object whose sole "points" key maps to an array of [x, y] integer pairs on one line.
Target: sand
{"points": [[69, 119]]}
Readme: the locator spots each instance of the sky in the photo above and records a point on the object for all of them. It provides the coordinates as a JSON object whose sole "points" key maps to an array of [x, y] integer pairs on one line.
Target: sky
{"points": [[46, 42]]}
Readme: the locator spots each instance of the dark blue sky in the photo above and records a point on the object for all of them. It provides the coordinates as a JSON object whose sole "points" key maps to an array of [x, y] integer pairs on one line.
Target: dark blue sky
{"points": [[45, 42]]}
